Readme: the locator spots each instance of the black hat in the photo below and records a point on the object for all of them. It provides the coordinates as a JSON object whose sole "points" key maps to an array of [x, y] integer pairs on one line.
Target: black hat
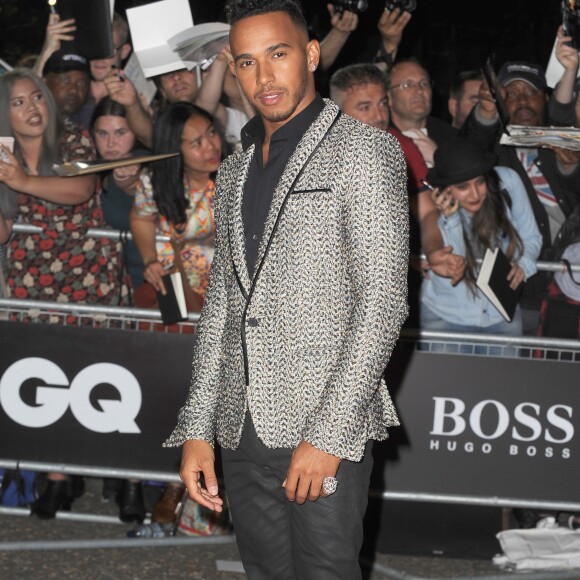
{"points": [[532, 74], [63, 61], [457, 160]]}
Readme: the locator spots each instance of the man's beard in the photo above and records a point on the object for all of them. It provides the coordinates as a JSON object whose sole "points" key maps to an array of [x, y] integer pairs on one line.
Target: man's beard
{"points": [[279, 116]]}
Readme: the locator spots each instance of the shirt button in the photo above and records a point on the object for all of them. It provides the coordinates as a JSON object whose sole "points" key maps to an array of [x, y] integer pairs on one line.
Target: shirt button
{"points": [[255, 237], [252, 322]]}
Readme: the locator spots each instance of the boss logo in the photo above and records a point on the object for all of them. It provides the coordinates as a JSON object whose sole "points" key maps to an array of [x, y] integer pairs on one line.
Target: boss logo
{"points": [[526, 422], [52, 400]]}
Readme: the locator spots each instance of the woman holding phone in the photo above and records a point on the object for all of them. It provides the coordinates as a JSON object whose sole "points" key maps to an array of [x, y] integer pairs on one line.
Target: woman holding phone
{"points": [[481, 206]]}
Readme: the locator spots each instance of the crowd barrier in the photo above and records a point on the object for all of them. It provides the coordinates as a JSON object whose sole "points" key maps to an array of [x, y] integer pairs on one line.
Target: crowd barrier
{"points": [[485, 420]]}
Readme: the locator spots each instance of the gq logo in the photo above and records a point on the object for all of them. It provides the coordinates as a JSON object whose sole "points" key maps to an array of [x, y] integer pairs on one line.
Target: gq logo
{"points": [[52, 401]]}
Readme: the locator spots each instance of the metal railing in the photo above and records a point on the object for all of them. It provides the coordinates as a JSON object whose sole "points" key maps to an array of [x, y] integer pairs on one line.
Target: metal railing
{"points": [[414, 339]]}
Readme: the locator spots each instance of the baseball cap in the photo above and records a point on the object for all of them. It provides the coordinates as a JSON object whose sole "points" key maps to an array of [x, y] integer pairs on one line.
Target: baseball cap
{"points": [[532, 74], [64, 61]]}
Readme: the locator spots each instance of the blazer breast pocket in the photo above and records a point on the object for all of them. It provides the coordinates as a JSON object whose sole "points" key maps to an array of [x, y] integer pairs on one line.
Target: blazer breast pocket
{"points": [[312, 191]]}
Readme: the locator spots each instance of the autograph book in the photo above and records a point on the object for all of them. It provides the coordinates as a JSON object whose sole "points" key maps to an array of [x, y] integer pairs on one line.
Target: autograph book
{"points": [[492, 281], [76, 168]]}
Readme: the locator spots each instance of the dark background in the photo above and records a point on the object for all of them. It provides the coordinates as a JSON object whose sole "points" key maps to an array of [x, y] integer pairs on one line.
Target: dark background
{"points": [[447, 35]]}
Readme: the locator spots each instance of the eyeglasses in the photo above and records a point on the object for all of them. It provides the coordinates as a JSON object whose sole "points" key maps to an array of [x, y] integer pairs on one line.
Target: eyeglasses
{"points": [[413, 86]]}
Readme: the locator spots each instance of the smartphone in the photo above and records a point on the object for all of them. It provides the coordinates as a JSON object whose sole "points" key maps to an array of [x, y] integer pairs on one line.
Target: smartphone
{"points": [[571, 21], [7, 142]]}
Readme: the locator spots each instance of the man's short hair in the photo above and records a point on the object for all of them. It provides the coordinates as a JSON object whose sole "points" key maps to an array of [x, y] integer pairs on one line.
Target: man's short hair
{"points": [[121, 26], [354, 75], [457, 87], [399, 62], [236, 10]]}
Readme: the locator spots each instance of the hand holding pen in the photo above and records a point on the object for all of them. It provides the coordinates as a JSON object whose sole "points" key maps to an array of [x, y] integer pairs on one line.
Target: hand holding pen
{"points": [[443, 199]]}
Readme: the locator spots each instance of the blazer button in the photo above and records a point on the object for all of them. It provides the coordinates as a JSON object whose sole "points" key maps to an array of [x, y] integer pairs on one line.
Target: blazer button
{"points": [[252, 322]]}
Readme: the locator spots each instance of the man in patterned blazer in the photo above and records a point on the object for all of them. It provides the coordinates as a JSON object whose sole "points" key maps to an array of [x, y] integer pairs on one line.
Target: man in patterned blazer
{"points": [[306, 298]]}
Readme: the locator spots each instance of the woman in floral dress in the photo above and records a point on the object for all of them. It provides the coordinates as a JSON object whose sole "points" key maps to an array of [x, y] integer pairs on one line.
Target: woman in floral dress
{"points": [[61, 264], [175, 199]]}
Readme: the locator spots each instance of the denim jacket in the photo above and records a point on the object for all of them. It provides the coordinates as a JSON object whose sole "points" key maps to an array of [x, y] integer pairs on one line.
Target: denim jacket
{"points": [[459, 304]]}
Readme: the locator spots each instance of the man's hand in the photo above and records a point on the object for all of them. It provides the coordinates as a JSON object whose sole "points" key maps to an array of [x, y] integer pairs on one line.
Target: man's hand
{"points": [[486, 106], [121, 89], [447, 264], [198, 458], [391, 26], [567, 159], [425, 144], [344, 22], [56, 32], [567, 55], [309, 466]]}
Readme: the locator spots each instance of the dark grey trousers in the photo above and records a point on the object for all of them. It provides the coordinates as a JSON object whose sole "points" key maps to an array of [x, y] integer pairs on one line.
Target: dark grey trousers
{"points": [[282, 540]]}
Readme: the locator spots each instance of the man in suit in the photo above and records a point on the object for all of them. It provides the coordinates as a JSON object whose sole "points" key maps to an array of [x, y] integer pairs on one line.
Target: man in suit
{"points": [[410, 95], [306, 298]]}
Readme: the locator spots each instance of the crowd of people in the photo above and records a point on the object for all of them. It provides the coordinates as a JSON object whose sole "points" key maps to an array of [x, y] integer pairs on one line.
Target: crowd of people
{"points": [[467, 192]]}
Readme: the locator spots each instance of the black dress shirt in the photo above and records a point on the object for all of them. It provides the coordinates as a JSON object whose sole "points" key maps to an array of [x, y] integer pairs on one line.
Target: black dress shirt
{"points": [[263, 179]]}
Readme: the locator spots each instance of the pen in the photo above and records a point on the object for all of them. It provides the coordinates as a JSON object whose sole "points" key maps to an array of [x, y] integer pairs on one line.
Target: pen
{"points": [[427, 185], [114, 67]]}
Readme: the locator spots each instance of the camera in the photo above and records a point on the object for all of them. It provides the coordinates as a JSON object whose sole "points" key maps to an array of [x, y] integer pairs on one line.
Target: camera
{"points": [[406, 5], [571, 22], [350, 5]]}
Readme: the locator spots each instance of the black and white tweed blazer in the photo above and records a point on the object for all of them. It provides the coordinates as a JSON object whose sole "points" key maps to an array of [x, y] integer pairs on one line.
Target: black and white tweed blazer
{"points": [[303, 345]]}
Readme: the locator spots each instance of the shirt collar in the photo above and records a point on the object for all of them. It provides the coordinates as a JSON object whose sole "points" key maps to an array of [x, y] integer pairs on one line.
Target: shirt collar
{"points": [[253, 132]]}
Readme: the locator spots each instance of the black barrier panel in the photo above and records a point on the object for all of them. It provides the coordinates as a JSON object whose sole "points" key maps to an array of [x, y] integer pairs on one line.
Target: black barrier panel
{"points": [[92, 397], [471, 425], [483, 426]]}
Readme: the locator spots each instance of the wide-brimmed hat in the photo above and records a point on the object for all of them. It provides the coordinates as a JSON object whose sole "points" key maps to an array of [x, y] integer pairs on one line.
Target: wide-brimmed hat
{"points": [[459, 159]]}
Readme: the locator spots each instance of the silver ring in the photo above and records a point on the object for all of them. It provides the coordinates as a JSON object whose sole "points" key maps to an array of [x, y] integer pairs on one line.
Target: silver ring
{"points": [[329, 485]]}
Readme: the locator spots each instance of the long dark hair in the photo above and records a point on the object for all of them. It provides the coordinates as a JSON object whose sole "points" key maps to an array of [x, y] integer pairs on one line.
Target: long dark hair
{"points": [[50, 151], [489, 226], [167, 174]]}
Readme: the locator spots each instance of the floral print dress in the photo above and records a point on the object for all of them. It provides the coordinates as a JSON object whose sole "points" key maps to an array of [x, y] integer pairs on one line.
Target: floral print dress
{"points": [[63, 264], [195, 237]]}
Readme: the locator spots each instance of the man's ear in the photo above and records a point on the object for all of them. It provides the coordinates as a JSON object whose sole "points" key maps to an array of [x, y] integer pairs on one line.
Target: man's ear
{"points": [[452, 107], [125, 51], [313, 55]]}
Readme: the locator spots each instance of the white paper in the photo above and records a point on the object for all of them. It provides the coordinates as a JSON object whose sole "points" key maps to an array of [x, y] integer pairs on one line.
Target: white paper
{"points": [[152, 25], [177, 282], [200, 42], [539, 549], [134, 73]]}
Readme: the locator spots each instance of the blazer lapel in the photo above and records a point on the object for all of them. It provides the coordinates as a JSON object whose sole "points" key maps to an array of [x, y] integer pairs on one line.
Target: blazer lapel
{"points": [[236, 222], [307, 145]]}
